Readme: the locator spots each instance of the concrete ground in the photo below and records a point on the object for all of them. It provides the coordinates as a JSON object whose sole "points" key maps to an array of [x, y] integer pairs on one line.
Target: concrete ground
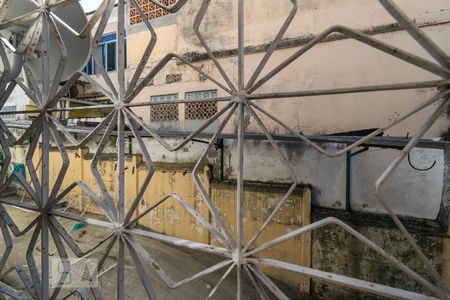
{"points": [[177, 262]]}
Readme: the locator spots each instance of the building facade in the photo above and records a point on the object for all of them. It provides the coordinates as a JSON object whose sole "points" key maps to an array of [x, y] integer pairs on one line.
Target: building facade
{"points": [[337, 62]]}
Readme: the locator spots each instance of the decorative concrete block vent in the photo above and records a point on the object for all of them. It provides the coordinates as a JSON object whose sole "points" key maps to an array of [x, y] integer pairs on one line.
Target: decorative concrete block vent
{"points": [[164, 113], [151, 10], [173, 78], [200, 110]]}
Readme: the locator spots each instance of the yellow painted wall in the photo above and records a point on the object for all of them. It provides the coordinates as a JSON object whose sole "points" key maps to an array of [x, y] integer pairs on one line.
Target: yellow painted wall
{"points": [[172, 219], [259, 202]]}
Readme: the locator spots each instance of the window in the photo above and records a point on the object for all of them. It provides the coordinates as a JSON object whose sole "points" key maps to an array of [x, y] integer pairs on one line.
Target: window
{"points": [[200, 110], [152, 11], [106, 53], [9, 109], [164, 112]]}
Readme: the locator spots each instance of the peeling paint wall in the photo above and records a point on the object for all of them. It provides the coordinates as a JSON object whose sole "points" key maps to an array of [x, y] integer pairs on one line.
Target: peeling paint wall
{"points": [[336, 63], [260, 200], [172, 219], [339, 63]]}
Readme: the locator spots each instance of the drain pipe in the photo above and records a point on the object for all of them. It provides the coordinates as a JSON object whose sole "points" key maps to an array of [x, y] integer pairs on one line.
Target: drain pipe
{"points": [[348, 182], [220, 146]]}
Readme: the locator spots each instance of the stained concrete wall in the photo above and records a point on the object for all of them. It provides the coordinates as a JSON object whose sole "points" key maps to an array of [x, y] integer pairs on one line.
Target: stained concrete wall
{"points": [[335, 251], [446, 258], [326, 175], [411, 193]]}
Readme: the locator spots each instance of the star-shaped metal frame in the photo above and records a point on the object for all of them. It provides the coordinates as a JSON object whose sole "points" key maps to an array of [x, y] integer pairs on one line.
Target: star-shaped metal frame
{"points": [[242, 100], [44, 127]]}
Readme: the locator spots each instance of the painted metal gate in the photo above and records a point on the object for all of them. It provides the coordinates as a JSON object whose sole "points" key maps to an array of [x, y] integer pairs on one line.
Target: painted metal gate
{"points": [[238, 256]]}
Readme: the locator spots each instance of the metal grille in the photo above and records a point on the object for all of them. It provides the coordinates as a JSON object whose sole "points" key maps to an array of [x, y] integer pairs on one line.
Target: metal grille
{"points": [[164, 112], [151, 10], [238, 256], [200, 110]]}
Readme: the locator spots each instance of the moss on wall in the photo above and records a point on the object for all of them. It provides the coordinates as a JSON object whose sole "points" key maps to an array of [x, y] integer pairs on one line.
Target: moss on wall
{"points": [[333, 250]]}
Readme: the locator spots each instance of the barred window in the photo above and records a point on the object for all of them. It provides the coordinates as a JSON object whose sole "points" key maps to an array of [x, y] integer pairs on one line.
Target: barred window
{"points": [[201, 110], [9, 109], [164, 112], [152, 11]]}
